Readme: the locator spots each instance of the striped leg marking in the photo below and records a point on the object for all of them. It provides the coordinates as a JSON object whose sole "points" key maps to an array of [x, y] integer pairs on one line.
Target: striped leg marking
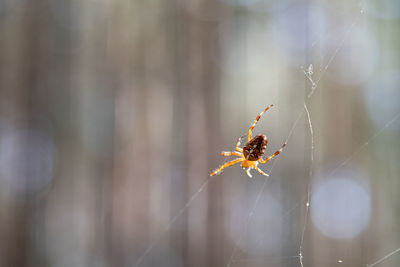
{"points": [[255, 122], [234, 153], [237, 146], [230, 163], [273, 155], [260, 171]]}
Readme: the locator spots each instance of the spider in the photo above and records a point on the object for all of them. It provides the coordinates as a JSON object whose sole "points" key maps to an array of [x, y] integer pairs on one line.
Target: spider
{"points": [[251, 154]]}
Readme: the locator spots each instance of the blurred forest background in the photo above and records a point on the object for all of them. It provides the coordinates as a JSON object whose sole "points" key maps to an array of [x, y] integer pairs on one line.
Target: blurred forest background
{"points": [[113, 113]]}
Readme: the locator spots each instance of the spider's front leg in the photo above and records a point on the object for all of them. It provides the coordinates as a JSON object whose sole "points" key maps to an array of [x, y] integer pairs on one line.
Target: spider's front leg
{"points": [[255, 122]]}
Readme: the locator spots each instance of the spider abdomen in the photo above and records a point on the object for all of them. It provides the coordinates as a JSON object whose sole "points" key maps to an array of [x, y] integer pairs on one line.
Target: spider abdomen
{"points": [[255, 148]]}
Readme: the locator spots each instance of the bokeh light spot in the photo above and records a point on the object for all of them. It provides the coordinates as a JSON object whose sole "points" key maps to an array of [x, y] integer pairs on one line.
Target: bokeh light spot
{"points": [[340, 206]]}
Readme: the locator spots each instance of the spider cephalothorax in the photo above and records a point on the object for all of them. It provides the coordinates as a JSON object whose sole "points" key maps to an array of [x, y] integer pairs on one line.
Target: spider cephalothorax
{"points": [[251, 154]]}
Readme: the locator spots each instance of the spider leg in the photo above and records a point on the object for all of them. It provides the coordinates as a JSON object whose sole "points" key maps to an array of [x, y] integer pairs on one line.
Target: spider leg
{"points": [[234, 153], [237, 146], [260, 171], [230, 163], [255, 122], [262, 161], [248, 172]]}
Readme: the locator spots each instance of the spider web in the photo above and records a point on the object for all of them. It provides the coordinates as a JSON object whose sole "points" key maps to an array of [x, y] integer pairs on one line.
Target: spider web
{"points": [[314, 84], [305, 200]]}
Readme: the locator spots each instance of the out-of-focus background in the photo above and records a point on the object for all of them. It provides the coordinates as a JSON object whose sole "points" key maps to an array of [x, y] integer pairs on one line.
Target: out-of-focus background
{"points": [[113, 113]]}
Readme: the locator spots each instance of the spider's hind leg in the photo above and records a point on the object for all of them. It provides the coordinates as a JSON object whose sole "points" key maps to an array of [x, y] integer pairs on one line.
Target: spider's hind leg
{"points": [[260, 171], [230, 163], [262, 161]]}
